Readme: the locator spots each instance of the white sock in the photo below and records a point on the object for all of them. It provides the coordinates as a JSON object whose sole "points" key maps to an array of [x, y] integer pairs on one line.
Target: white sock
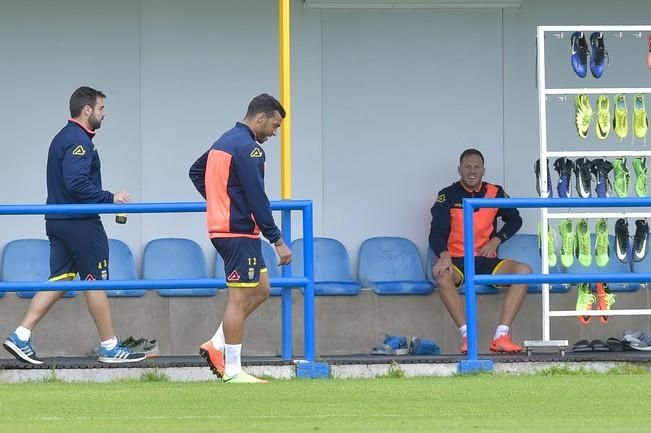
{"points": [[23, 333], [110, 343], [218, 340], [464, 331], [501, 330], [233, 359]]}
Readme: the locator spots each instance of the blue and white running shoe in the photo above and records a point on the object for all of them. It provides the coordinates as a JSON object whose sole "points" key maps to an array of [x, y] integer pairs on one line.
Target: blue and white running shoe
{"points": [[22, 350], [120, 354], [599, 55]]}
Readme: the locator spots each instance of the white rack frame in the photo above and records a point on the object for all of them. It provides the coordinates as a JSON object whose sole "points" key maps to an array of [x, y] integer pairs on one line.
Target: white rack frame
{"points": [[545, 216]]}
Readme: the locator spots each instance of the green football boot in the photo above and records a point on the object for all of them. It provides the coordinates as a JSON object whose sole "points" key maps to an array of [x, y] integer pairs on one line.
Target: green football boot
{"points": [[639, 165], [551, 245], [602, 125], [584, 250], [582, 114], [640, 119], [602, 245], [584, 301], [620, 122], [568, 242], [622, 177]]}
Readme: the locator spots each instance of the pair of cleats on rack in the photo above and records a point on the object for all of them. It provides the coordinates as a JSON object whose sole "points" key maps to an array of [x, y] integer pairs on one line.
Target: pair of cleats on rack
{"points": [[399, 345], [586, 171], [586, 299], [597, 54], [502, 344], [215, 360], [579, 243], [640, 247], [583, 116]]}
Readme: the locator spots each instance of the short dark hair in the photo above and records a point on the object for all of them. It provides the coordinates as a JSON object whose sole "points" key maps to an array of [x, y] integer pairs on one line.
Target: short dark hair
{"points": [[265, 103], [469, 152], [83, 96]]}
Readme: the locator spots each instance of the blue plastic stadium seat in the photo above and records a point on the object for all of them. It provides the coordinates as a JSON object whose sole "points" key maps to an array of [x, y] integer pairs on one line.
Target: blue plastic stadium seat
{"points": [[480, 289], [331, 267], [614, 266], [122, 266], [175, 258], [27, 260], [392, 266], [524, 248]]}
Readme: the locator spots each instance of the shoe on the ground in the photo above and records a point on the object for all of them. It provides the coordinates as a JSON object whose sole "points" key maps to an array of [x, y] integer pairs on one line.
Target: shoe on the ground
{"points": [[584, 301], [579, 58], [583, 172], [602, 244], [622, 177], [423, 346], [583, 114], [536, 169], [620, 120], [568, 242], [214, 358], [551, 245], [464, 345], [22, 350], [602, 125], [601, 169], [119, 355], [143, 345], [584, 244], [621, 240], [640, 239], [640, 119], [637, 340], [504, 344], [564, 168], [392, 345], [598, 55], [242, 378], [605, 300], [639, 166]]}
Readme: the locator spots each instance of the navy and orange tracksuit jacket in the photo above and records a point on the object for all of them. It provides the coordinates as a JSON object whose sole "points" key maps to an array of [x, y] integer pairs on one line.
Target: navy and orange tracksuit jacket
{"points": [[446, 232], [73, 170], [230, 176]]}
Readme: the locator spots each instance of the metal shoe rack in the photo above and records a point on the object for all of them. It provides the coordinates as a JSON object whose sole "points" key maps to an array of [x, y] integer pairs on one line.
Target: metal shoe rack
{"points": [[543, 93]]}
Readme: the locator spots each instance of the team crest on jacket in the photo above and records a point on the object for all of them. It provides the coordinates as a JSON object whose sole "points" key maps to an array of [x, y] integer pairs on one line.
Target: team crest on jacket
{"points": [[79, 151], [440, 198], [256, 153], [251, 273]]}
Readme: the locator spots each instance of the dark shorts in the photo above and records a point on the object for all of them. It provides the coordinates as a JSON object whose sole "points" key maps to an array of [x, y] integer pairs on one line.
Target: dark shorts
{"points": [[77, 246], [483, 265], [243, 260]]}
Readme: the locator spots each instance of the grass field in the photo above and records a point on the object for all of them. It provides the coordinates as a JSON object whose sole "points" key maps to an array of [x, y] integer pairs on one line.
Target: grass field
{"points": [[485, 403]]}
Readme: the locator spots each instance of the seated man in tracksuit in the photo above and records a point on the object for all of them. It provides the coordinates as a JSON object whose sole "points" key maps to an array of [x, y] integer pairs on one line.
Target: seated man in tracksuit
{"points": [[446, 241]]}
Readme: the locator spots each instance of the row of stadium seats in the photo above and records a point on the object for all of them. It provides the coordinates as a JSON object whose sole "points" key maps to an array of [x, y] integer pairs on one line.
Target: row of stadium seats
{"points": [[387, 265]]}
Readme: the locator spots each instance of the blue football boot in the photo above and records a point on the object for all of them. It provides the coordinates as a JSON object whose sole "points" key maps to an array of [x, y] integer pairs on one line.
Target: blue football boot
{"points": [[564, 167], [580, 54], [599, 55]]}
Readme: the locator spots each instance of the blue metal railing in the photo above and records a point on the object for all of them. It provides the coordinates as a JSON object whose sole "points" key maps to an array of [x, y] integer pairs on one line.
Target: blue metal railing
{"points": [[470, 204], [286, 282]]}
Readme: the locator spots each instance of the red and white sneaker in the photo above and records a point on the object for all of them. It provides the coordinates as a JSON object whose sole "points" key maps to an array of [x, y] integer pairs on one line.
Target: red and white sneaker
{"points": [[214, 357], [504, 344]]}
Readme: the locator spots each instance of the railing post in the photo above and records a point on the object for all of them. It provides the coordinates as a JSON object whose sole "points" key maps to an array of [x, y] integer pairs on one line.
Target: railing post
{"points": [[308, 263], [286, 294], [472, 363]]}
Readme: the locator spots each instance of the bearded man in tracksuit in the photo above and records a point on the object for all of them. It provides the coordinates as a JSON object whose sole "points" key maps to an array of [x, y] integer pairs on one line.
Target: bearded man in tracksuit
{"points": [[446, 241]]}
